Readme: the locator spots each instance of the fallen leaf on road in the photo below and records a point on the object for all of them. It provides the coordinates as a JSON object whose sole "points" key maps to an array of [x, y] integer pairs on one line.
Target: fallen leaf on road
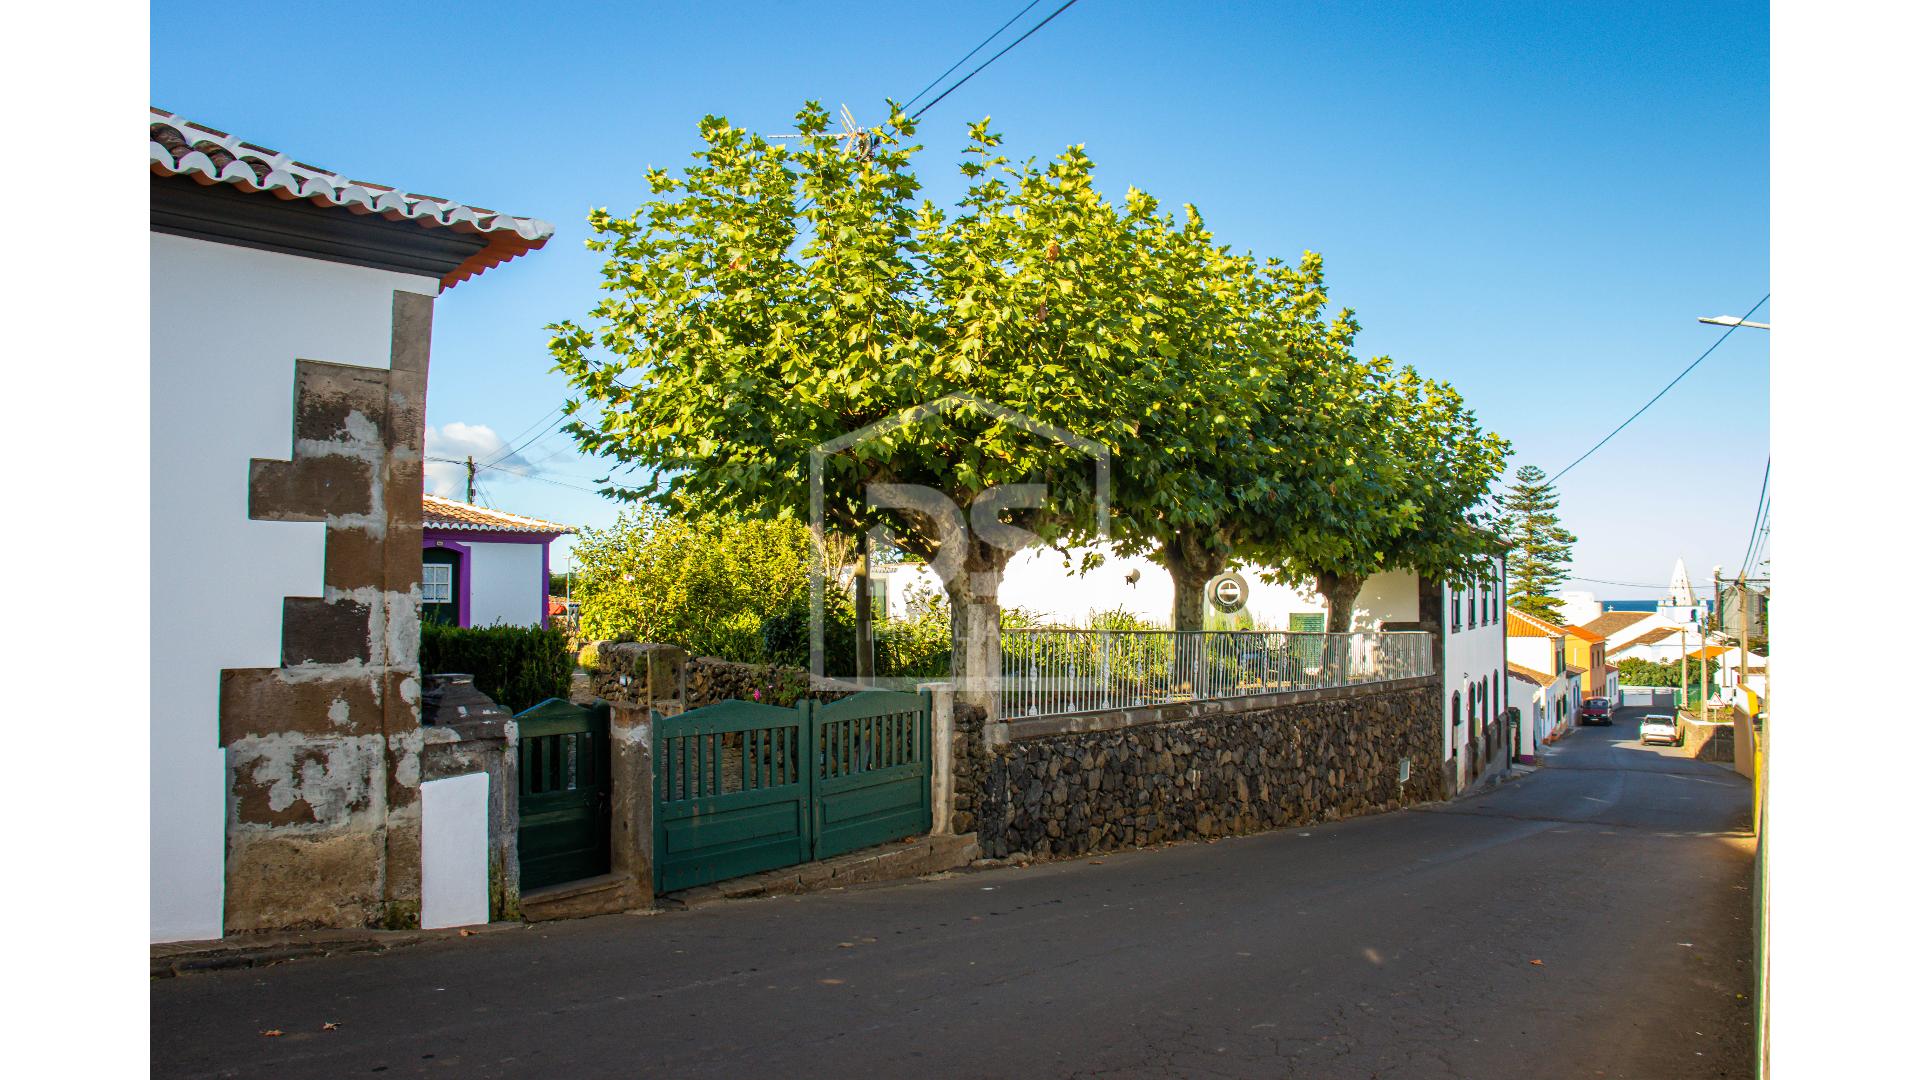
{"points": [[1538, 963], [1096, 862], [466, 933], [330, 1026], [273, 1033], [832, 982]]}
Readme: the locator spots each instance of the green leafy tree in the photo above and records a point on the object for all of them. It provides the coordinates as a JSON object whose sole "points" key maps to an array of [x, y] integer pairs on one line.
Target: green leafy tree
{"points": [[776, 297], [1542, 549], [708, 585], [1637, 672], [1206, 474], [1405, 484]]}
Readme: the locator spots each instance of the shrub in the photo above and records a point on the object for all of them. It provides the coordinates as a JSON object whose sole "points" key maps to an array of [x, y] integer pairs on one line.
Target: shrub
{"points": [[706, 584], [517, 666], [1637, 672]]}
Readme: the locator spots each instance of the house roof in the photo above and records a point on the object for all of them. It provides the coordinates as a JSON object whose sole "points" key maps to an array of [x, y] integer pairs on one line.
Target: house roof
{"points": [[1576, 669], [1521, 624], [1613, 622], [1711, 651], [1585, 635], [1537, 678], [1649, 638], [439, 513], [180, 147]]}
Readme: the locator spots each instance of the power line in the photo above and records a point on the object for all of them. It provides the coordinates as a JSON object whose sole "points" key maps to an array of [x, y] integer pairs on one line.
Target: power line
{"points": [[804, 206], [522, 475], [995, 56], [535, 424], [1658, 396], [512, 450], [1758, 510], [983, 44]]}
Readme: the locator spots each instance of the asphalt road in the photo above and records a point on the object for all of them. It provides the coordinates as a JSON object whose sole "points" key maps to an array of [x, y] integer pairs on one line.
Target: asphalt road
{"points": [[1588, 920]]}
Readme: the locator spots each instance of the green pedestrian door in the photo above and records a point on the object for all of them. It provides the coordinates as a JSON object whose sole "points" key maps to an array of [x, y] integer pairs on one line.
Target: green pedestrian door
{"points": [[565, 780], [741, 787]]}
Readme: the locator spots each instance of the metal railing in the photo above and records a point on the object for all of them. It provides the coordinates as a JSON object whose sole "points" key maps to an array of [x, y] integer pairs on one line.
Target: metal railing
{"points": [[1056, 672]]}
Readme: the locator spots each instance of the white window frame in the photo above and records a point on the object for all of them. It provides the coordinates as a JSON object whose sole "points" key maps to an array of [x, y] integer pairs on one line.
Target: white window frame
{"points": [[432, 591]]}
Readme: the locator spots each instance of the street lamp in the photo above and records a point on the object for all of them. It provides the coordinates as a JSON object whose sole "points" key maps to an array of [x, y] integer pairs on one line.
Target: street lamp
{"points": [[1732, 320]]}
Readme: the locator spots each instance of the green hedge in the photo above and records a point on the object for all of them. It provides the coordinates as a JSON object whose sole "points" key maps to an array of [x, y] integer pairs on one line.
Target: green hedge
{"points": [[517, 666]]}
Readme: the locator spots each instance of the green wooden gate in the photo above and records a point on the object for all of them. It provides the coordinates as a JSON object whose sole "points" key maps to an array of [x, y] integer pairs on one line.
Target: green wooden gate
{"points": [[740, 787], [565, 777], [874, 783]]}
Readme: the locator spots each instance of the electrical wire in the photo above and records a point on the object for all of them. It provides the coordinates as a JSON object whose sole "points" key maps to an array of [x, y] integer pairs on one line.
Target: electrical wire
{"points": [[808, 204], [983, 44], [995, 56], [512, 450], [535, 424], [522, 475], [1661, 394], [1761, 508]]}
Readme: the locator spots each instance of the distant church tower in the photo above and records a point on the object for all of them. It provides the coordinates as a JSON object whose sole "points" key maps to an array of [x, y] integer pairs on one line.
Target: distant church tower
{"points": [[1679, 589], [1681, 607]]}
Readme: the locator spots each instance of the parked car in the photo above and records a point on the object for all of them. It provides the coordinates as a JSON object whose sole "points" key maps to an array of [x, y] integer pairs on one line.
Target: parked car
{"points": [[1658, 727], [1596, 710]]}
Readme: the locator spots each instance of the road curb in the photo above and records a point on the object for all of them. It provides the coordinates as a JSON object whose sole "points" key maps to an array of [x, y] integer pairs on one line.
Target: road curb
{"points": [[260, 950]]}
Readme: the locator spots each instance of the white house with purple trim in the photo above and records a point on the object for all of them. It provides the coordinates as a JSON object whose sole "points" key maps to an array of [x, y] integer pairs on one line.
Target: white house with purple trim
{"points": [[483, 567]]}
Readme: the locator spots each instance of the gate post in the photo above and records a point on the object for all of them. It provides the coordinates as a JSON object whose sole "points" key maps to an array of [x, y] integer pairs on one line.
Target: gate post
{"points": [[940, 695], [638, 681]]}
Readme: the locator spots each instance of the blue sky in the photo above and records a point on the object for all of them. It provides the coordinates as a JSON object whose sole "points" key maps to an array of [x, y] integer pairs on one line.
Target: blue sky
{"points": [[1531, 201]]}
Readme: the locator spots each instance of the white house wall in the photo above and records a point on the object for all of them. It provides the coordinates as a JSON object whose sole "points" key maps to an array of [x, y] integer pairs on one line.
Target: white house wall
{"points": [[227, 324], [1532, 652], [1471, 654], [506, 584], [1049, 585]]}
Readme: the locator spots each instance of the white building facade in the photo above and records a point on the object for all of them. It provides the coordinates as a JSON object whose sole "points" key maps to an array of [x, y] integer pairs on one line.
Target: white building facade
{"points": [[484, 567], [291, 324]]}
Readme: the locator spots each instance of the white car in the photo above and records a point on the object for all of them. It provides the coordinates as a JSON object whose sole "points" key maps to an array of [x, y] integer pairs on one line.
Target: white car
{"points": [[1656, 727]]}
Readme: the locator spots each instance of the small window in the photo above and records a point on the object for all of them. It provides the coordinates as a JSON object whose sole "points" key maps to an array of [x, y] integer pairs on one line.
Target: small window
{"points": [[1471, 621], [436, 583], [1456, 607], [1486, 605]]}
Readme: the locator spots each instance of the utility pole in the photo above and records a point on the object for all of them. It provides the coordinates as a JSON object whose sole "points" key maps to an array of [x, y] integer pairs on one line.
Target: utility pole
{"points": [[1703, 675], [1741, 584], [469, 479], [1680, 706]]}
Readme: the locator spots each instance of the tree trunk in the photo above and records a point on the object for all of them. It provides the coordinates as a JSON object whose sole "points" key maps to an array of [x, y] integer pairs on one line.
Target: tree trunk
{"points": [[974, 595], [1191, 565], [1340, 591]]}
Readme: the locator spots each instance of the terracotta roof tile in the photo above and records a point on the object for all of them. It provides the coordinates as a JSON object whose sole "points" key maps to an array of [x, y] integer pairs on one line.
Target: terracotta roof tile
{"points": [[1649, 638], [1521, 624], [1537, 678], [1585, 634], [439, 513], [1613, 622], [179, 147]]}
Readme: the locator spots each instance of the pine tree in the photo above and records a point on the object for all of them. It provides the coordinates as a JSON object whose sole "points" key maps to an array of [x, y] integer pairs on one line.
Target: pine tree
{"points": [[1542, 547]]}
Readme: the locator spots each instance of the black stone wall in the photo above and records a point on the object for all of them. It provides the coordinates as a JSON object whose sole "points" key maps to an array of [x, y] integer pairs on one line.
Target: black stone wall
{"points": [[1325, 756]]}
